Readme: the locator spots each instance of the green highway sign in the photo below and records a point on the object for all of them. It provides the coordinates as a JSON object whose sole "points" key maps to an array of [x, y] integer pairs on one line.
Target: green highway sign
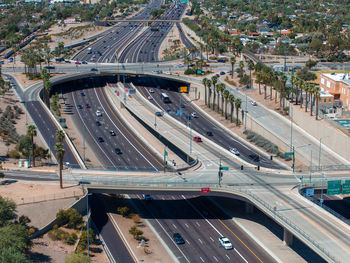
{"points": [[346, 188], [224, 168], [334, 187], [289, 153], [347, 181]]}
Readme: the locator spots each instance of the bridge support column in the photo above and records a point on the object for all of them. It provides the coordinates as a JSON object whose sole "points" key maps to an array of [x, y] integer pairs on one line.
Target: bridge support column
{"points": [[287, 237], [249, 208]]}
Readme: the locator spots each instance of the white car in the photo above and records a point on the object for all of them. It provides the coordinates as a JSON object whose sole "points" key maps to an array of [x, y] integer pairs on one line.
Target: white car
{"points": [[225, 242], [234, 151], [151, 91], [167, 73], [194, 115], [150, 98], [98, 113], [253, 102]]}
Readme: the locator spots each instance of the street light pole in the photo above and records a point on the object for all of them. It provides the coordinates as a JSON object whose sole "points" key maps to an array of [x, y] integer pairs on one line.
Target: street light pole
{"points": [[87, 223], [246, 110], [310, 163], [291, 125], [190, 134], [155, 121]]}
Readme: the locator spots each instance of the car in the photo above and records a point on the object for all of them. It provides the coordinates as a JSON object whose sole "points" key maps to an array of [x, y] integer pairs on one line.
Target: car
{"points": [[178, 239], [77, 63], [150, 97], [84, 62], [151, 91], [159, 113], [98, 123], [225, 243], [234, 151], [217, 75], [2, 62], [82, 94], [167, 73], [117, 151], [254, 157], [49, 67], [209, 133], [59, 59], [79, 106], [100, 139], [147, 197], [87, 106], [222, 73], [253, 102], [98, 113], [67, 61], [197, 139], [112, 133], [194, 115], [93, 69]]}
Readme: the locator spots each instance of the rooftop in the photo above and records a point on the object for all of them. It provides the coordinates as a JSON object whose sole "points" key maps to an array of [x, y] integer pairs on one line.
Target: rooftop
{"points": [[338, 76]]}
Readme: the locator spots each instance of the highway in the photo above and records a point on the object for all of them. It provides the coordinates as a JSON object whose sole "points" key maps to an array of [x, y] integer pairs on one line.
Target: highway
{"points": [[200, 223], [87, 97], [202, 124]]}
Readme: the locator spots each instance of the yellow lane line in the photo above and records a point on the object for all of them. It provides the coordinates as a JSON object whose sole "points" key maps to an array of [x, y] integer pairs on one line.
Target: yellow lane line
{"points": [[127, 130]]}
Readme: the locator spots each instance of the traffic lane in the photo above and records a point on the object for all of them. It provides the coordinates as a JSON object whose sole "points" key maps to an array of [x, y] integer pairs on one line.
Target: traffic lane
{"points": [[201, 241], [336, 203], [110, 235], [141, 151], [242, 242], [203, 125], [78, 118], [48, 130]]}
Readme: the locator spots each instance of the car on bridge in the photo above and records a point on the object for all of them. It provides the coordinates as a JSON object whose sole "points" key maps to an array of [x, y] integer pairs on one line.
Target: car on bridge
{"points": [[234, 151], [112, 133], [194, 115], [93, 69], [178, 239], [197, 139], [87, 105], [98, 113], [100, 139], [254, 157], [79, 106], [148, 197], [98, 123], [118, 151], [225, 243]]}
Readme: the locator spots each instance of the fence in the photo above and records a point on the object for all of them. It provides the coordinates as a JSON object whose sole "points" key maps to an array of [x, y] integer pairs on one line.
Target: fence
{"points": [[48, 197]]}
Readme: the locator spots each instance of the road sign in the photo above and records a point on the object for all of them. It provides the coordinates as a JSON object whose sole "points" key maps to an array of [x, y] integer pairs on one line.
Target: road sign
{"points": [[199, 72], [346, 188], [179, 112], [205, 190], [334, 187], [224, 168], [183, 89], [309, 192], [347, 181], [289, 153]]}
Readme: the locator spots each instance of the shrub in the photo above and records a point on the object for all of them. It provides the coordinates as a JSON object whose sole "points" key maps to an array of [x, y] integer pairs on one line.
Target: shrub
{"points": [[136, 218], [70, 216], [189, 71], [123, 210], [14, 154], [136, 233], [77, 258]]}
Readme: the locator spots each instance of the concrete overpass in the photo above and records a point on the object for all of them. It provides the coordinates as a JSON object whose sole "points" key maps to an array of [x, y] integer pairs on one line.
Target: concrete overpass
{"points": [[145, 20]]}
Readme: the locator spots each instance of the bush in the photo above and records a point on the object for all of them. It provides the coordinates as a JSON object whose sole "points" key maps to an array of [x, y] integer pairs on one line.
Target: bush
{"points": [[14, 154], [82, 245], [189, 71], [123, 210], [136, 233], [77, 258], [70, 216]]}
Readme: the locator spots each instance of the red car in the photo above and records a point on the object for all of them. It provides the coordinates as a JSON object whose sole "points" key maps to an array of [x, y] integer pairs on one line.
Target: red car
{"points": [[197, 139], [77, 63], [87, 106]]}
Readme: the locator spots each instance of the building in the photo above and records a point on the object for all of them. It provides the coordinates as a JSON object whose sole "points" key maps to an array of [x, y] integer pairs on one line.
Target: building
{"points": [[338, 85]]}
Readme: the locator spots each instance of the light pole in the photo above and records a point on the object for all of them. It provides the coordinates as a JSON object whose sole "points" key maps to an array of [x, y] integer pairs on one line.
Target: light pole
{"points": [[321, 200], [310, 163], [293, 148], [155, 120], [319, 153], [190, 123], [246, 110], [87, 224], [291, 125]]}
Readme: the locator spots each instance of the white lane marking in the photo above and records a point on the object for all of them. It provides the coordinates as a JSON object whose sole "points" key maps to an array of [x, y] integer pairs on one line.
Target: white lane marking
{"points": [[126, 138], [188, 242], [201, 215], [200, 241], [215, 259], [186, 225], [227, 257], [198, 224], [240, 255], [211, 239], [201, 259], [174, 226]]}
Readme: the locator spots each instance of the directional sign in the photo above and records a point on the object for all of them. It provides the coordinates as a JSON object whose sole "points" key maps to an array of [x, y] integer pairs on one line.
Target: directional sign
{"points": [[347, 181], [224, 168], [179, 113], [183, 89], [289, 153], [205, 190], [346, 188], [334, 187]]}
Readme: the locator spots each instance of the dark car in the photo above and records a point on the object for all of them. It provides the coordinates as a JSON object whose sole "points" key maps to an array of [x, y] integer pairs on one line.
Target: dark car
{"points": [[178, 239], [98, 123], [222, 73], [79, 106], [159, 113], [84, 62], [118, 151], [112, 133], [87, 106], [100, 139], [82, 94], [49, 67], [94, 69], [254, 157], [209, 133]]}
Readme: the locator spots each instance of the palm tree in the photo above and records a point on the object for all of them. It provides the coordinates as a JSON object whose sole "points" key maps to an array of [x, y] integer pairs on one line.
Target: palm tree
{"points": [[226, 95], [317, 98], [222, 89], [258, 79], [47, 86], [300, 85], [241, 66], [306, 88], [59, 155], [311, 93], [47, 55], [214, 80], [293, 80], [31, 133], [250, 67], [218, 90], [60, 136], [231, 99], [205, 83], [209, 91], [238, 103], [232, 61]]}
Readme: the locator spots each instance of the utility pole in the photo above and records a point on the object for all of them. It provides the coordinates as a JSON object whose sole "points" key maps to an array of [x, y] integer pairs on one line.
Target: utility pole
{"points": [[310, 163], [291, 125], [321, 200], [246, 111]]}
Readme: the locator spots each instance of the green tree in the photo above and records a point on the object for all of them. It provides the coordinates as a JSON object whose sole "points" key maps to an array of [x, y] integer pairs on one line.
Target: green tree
{"points": [[59, 155], [238, 103], [60, 136], [205, 83], [214, 80], [231, 99], [45, 75], [7, 210], [15, 237], [77, 258], [226, 95], [232, 61], [250, 68], [31, 133]]}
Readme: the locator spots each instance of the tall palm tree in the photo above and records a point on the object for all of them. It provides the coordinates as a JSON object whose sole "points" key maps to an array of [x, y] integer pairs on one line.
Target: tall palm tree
{"points": [[250, 68], [209, 91], [47, 55], [59, 155], [306, 88], [226, 95], [241, 66], [214, 80], [205, 83], [231, 99], [31, 133], [218, 90], [222, 89], [311, 93], [232, 61], [258, 79], [47, 86], [300, 86], [238, 103], [293, 80], [317, 98], [59, 136]]}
